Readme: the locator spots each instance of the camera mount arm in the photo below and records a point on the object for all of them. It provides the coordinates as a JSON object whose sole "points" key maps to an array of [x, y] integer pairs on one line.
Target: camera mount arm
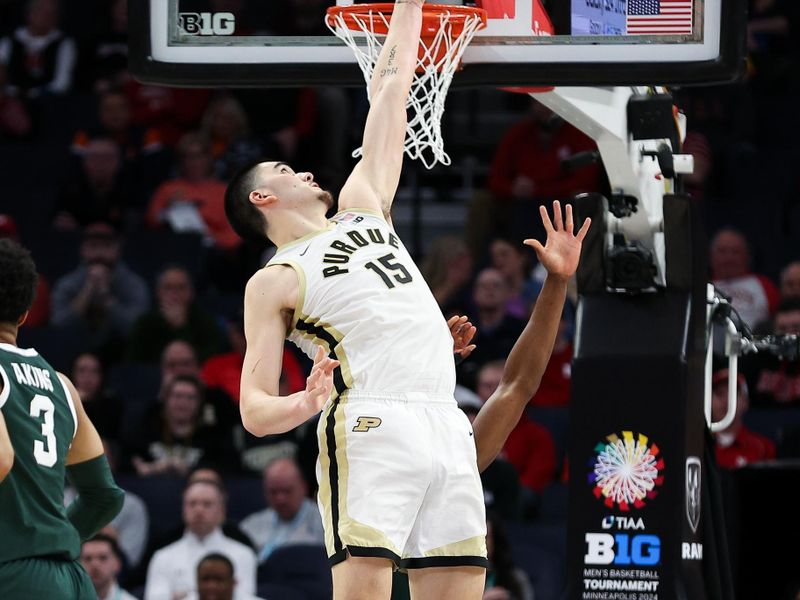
{"points": [[638, 136]]}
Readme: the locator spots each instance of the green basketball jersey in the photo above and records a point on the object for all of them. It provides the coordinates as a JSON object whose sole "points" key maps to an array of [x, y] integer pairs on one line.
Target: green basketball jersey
{"points": [[41, 421]]}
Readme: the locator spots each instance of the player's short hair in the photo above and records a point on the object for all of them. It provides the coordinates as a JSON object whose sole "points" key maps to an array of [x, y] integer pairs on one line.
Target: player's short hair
{"points": [[217, 557], [247, 221], [18, 282]]}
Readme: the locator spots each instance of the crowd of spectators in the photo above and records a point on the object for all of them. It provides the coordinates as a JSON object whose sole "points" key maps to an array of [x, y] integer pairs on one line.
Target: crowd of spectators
{"points": [[117, 186]]}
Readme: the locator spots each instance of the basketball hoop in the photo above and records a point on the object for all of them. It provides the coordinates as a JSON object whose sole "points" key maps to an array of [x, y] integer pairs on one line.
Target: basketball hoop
{"points": [[446, 32]]}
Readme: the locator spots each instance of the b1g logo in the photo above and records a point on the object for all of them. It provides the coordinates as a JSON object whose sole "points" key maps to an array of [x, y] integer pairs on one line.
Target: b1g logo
{"points": [[622, 549], [206, 23]]}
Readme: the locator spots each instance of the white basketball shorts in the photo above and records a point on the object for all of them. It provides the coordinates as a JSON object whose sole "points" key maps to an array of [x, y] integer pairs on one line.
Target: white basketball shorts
{"points": [[398, 479]]}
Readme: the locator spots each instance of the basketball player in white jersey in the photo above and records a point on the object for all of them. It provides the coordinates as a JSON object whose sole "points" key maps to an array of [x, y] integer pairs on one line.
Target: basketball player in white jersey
{"points": [[398, 474]]}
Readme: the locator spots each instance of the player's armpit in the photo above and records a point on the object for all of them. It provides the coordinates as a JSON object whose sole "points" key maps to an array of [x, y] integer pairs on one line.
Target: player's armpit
{"points": [[6, 450], [269, 297]]}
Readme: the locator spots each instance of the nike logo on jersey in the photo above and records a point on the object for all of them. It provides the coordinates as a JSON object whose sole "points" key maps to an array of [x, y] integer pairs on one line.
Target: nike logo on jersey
{"points": [[303, 253], [471, 434]]}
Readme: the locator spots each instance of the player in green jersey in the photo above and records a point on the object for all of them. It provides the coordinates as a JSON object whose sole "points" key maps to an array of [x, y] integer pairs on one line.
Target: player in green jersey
{"points": [[45, 436]]}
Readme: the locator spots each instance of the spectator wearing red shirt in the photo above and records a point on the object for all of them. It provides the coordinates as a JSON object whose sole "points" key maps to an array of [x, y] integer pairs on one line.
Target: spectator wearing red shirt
{"points": [[195, 201], [753, 296], [224, 371], [530, 446], [529, 160], [737, 446]]}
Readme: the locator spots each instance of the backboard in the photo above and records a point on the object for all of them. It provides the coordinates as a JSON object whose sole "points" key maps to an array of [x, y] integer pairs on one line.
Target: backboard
{"points": [[571, 42]]}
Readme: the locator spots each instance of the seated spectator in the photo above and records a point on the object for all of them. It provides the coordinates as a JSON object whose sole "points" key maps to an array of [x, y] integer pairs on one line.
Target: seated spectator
{"points": [[130, 526], [447, 269], [753, 296], [790, 280], [102, 559], [38, 58], [497, 330], [39, 313], [530, 446], [219, 410], [528, 162], [171, 111], [737, 446], [215, 580], [775, 382], [172, 571], [504, 581], [194, 201], [528, 168], [143, 159], [512, 260], [97, 190], [103, 407], [232, 147], [174, 440], [177, 316], [501, 489], [102, 297], [291, 517]]}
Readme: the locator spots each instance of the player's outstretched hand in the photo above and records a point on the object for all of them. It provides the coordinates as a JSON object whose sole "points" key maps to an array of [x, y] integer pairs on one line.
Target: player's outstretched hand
{"points": [[462, 331], [320, 381], [562, 249]]}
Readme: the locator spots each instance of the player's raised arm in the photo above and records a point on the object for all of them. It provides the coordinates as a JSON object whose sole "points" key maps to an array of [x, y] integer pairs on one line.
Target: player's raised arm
{"points": [[266, 314], [374, 180], [6, 449], [529, 357]]}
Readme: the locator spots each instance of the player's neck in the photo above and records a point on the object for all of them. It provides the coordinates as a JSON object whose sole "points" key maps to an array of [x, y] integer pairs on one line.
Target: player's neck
{"points": [[299, 226], [8, 334]]}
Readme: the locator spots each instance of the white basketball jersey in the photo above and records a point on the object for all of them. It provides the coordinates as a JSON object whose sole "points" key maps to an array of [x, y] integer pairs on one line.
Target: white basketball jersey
{"points": [[363, 299]]}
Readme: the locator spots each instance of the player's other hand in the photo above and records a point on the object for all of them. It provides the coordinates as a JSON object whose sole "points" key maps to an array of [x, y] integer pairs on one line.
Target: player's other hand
{"points": [[562, 249], [462, 331], [320, 381]]}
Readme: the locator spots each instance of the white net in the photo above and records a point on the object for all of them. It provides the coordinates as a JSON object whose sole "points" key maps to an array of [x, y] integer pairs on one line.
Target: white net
{"points": [[438, 60]]}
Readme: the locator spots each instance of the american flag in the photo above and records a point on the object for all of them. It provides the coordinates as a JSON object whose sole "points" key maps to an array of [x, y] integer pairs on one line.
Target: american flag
{"points": [[659, 17]]}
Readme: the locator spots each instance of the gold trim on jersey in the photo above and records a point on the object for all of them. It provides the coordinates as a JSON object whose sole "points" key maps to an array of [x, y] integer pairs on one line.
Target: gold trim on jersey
{"points": [[474, 546], [341, 355]]}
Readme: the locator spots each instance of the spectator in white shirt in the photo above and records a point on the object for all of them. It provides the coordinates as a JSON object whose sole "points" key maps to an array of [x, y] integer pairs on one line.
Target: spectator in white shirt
{"points": [[172, 571], [215, 580], [291, 517], [101, 558]]}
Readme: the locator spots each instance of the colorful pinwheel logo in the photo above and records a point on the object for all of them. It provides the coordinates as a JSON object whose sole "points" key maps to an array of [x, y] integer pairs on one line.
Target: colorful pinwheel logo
{"points": [[626, 471]]}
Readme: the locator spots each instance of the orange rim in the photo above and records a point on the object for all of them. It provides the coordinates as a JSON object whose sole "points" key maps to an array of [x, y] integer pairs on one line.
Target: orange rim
{"points": [[431, 23]]}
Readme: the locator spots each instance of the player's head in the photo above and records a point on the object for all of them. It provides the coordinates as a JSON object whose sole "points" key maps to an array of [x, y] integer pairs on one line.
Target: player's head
{"points": [[215, 580], [266, 196], [18, 283]]}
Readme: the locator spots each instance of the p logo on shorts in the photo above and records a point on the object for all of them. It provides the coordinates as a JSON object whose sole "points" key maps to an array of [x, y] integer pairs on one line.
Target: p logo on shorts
{"points": [[367, 423]]}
